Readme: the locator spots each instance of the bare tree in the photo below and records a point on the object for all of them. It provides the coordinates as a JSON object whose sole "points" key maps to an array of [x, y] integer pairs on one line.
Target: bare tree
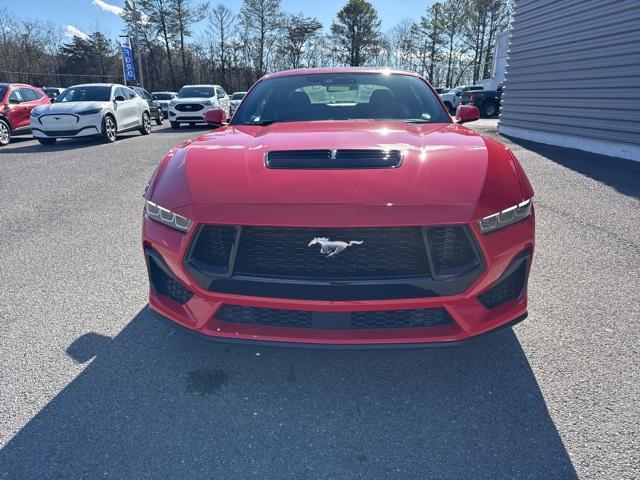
{"points": [[260, 19], [221, 21]]}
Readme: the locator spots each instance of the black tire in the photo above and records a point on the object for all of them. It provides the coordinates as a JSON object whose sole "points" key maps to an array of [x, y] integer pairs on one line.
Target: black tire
{"points": [[47, 141], [145, 129], [175, 125], [5, 133], [489, 110], [109, 129], [159, 117]]}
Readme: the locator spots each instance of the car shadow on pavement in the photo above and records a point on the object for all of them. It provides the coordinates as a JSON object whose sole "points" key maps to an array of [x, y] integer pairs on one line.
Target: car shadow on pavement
{"points": [[61, 145], [623, 175], [184, 128], [158, 403]]}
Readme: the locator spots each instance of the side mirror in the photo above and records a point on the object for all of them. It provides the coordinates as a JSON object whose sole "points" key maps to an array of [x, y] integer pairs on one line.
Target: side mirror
{"points": [[215, 117], [119, 98], [467, 113]]}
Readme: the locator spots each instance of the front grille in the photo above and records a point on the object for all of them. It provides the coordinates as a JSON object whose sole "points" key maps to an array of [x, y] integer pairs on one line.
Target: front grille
{"points": [[373, 262], [451, 250], [164, 284], [285, 252], [189, 107], [507, 289], [423, 317], [328, 159]]}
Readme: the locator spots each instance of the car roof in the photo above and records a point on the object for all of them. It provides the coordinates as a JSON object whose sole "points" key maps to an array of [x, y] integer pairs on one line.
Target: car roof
{"points": [[338, 70], [202, 85], [17, 85], [97, 85]]}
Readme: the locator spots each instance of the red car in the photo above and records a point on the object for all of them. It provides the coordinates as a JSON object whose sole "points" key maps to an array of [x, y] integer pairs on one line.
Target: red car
{"points": [[16, 102], [340, 207]]}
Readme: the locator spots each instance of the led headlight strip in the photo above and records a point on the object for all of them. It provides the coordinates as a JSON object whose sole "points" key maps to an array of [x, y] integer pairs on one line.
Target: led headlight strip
{"points": [[167, 217], [506, 217]]}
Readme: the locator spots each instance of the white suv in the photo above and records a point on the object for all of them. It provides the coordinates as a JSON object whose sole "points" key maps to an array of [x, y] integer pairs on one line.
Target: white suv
{"points": [[193, 101], [94, 109]]}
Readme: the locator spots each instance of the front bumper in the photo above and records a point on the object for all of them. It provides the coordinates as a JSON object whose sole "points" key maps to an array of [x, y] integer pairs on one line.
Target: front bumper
{"points": [[503, 252], [197, 116], [66, 125]]}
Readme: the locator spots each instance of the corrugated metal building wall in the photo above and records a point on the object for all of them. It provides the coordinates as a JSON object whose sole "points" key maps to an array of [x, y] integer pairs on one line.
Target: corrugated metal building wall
{"points": [[573, 75]]}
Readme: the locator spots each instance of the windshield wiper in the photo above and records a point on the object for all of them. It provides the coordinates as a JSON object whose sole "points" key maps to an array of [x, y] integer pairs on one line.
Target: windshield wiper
{"points": [[417, 120]]}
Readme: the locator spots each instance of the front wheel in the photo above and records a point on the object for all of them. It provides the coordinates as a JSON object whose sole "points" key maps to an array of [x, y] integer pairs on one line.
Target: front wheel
{"points": [[159, 117], [175, 125], [109, 129], [47, 141], [145, 129], [5, 133], [489, 110]]}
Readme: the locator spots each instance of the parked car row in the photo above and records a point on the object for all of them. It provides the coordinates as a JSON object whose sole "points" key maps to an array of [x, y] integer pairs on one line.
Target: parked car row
{"points": [[103, 109], [451, 99], [487, 101]]}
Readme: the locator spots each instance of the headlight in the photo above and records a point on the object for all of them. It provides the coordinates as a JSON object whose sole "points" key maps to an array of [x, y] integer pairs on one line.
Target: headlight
{"points": [[93, 111], [207, 103], [506, 217], [167, 217]]}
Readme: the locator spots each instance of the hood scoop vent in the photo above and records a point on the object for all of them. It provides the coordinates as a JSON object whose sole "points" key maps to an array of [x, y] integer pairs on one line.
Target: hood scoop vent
{"points": [[333, 159]]}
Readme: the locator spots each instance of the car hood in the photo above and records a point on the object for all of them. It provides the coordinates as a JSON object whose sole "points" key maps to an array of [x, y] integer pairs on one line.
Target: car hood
{"points": [[71, 107], [222, 177]]}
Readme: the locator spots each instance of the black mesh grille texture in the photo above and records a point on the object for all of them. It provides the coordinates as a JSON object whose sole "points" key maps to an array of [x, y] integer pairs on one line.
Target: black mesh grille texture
{"points": [[166, 285], [265, 316], [285, 252], [323, 159], [451, 250], [507, 289], [425, 317], [189, 107], [213, 246]]}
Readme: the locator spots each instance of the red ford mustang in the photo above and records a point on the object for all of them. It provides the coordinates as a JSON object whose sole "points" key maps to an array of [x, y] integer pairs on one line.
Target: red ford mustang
{"points": [[340, 207]]}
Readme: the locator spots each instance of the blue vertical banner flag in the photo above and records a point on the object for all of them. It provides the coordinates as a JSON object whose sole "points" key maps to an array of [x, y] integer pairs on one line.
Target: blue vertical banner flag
{"points": [[127, 60]]}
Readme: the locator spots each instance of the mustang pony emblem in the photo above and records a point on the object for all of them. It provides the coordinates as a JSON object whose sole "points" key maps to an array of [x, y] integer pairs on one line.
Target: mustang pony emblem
{"points": [[331, 248]]}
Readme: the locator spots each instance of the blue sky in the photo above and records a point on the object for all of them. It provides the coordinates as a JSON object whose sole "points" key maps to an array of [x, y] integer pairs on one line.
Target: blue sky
{"points": [[86, 15]]}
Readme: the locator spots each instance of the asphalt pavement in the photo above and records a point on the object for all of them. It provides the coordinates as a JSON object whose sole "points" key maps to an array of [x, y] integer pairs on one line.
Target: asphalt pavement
{"points": [[94, 385]]}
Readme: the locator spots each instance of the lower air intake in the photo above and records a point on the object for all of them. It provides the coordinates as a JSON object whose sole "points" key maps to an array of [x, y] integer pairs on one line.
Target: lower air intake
{"points": [[164, 284], [423, 317], [507, 289]]}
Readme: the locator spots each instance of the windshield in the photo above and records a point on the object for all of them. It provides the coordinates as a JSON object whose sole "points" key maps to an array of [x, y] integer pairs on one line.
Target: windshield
{"points": [[85, 94], [238, 96], [162, 96], [196, 92], [338, 96]]}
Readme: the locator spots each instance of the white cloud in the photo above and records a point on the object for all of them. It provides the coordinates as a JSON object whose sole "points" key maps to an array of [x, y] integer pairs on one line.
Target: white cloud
{"points": [[71, 31], [107, 7]]}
